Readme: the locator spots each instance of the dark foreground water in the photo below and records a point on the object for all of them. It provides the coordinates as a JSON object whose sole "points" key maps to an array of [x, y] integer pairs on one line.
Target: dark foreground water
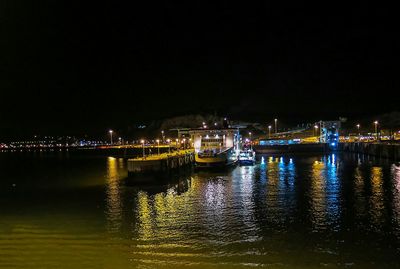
{"points": [[64, 210]]}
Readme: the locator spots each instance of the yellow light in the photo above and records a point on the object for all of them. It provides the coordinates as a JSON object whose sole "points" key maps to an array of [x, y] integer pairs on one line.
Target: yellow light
{"points": [[142, 141]]}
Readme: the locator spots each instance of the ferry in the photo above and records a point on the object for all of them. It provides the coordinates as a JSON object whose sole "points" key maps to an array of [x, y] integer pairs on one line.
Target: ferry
{"points": [[247, 157], [215, 147]]}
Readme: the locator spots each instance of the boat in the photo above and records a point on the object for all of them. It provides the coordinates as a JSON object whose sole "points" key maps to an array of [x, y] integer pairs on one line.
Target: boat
{"points": [[215, 147], [247, 157], [215, 158]]}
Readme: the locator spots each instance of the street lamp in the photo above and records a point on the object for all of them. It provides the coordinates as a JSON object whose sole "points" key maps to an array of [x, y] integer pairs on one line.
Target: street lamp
{"points": [[111, 132], [269, 131], [251, 142], [358, 129], [142, 141], [169, 145], [158, 146], [176, 140], [162, 136], [315, 129], [276, 125], [376, 129]]}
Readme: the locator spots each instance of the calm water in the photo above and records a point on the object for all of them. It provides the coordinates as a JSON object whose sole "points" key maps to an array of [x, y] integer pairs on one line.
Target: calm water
{"points": [[64, 210]]}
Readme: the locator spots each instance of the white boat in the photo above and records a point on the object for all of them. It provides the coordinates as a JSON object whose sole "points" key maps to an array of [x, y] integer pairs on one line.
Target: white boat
{"points": [[215, 147], [215, 157], [247, 157]]}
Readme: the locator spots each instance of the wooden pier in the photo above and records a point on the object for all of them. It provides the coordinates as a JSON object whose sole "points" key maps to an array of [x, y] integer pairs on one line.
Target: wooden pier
{"points": [[160, 164]]}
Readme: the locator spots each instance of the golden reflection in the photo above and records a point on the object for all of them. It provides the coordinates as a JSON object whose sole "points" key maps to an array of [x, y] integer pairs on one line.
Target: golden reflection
{"points": [[114, 207], [396, 196], [360, 204], [144, 217], [272, 189], [318, 194], [376, 199], [158, 215]]}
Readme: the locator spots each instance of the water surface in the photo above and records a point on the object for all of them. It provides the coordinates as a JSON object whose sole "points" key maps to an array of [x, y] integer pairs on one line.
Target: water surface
{"points": [[67, 210]]}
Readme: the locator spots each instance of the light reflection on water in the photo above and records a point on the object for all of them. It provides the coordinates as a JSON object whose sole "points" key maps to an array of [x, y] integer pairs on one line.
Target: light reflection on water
{"points": [[114, 206], [287, 211]]}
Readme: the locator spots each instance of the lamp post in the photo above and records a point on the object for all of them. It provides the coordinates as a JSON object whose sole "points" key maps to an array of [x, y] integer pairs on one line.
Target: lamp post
{"points": [[358, 130], [162, 136], [251, 142], [269, 131], [176, 140], [158, 146], [315, 129], [276, 125], [376, 129], [169, 145], [111, 132], [142, 141]]}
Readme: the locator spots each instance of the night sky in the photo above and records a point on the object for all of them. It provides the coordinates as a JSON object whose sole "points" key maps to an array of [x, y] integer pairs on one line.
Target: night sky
{"points": [[83, 68]]}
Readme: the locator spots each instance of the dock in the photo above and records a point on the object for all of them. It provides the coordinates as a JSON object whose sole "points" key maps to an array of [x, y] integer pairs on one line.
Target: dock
{"points": [[160, 163]]}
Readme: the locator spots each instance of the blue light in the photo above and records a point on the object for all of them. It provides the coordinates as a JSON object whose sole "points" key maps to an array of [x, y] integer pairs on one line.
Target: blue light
{"points": [[333, 144]]}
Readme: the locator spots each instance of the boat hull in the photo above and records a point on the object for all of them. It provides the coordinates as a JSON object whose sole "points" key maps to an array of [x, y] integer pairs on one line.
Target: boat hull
{"points": [[246, 162], [223, 159]]}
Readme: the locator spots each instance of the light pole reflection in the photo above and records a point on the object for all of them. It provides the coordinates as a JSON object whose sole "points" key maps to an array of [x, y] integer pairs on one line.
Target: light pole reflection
{"points": [[114, 206]]}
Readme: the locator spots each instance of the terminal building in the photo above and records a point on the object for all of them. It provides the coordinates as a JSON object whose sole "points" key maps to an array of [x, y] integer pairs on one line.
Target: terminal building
{"points": [[322, 132]]}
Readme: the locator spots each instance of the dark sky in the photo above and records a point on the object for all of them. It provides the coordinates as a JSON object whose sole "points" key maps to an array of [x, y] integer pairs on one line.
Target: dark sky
{"points": [[82, 68]]}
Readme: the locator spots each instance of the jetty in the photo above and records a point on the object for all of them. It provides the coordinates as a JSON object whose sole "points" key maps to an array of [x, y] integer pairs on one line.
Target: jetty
{"points": [[160, 163]]}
